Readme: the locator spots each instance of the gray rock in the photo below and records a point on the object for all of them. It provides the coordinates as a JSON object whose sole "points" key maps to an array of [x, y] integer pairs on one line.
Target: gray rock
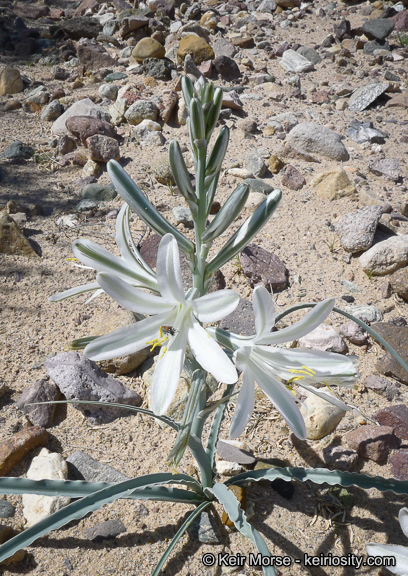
{"points": [[126, 52], [222, 47], [81, 466], [371, 47], [383, 386], [242, 320], [362, 132], [99, 192], [310, 54], [340, 458], [83, 107], [366, 95], [190, 67], [227, 67], [104, 530], [110, 28], [144, 136], [323, 338], [39, 95], [257, 185], [141, 110], [83, 27], [228, 451], [397, 338], [204, 529], [159, 68], [387, 167], [378, 28], [255, 164], [367, 314], [354, 333], [183, 215], [386, 257], [287, 120], [292, 178], [263, 267], [268, 6], [115, 76], [109, 91], [17, 150], [79, 378], [40, 391], [86, 205], [372, 442], [294, 62], [7, 510], [318, 139], [356, 230], [52, 111], [399, 283]]}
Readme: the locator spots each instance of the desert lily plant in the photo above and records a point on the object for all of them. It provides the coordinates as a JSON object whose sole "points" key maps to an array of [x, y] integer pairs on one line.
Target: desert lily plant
{"points": [[176, 321], [397, 554]]}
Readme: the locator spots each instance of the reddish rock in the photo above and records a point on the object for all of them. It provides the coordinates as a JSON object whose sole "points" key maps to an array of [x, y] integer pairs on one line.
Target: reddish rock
{"points": [[292, 178], [263, 267], [41, 391], [206, 68], [401, 21], [83, 127], [397, 417], [399, 282], [102, 148], [397, 338], [13, 450], [56, 14], [93, 56], [31, 11], [372, 442], [399, 464], [243, 42], [92, 5]]}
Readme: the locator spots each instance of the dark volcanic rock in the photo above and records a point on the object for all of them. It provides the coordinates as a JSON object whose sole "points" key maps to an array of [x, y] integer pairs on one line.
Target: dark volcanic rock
{"points": [[41, 391], [396, 417], [84, 127], [263, 267], [397, 337], [378, 28], [227, 67], [373, 442], [104, 530], [242, 320], [77, 28], [93, 56]]}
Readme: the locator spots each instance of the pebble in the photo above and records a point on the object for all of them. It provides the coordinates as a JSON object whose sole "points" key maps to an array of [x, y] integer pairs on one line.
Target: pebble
{"points": [[229, 450], [52, 111], [255, 164], [366, 95], [7, 510], [40, 391], [383, 386], [386, 257], [397, 337], [397, 417], [83, 107], [340, 458], [108, 91], [362, 132], [81, 466], [295, 62], [182, 215], [99, 192], [204, 529], [372, 442], [356, 229], [399, 464], [263, 267], [292, 178], [318, 139], [141, 110], [354, 333], [13, 450], [399, 282], [321, 417], [102, 148], [104, 531], [323, 338]]}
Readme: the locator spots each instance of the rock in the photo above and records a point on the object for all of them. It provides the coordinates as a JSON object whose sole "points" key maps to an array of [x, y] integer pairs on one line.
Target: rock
{"points": [[227, 450], [11, 105], [109, 91], [225, 468], [50, 466], [362, 132], [161, 171], [13, 450], [99, 192], [268, 6], [168, 103], [10, 81], [295, 62], [222, 47], [340, 458], [241, 321], [79, 378], [399, 464], [7, 510], [255, 164], [132, 23], [318, 139], [383, 386], [66, 144], [144, 135], [254, 200], [243, 42], [102, 148], [93, 56], [354, 333], [399, 282], [148, 48], [84, 27], [115, 77], [323, 338], [371, 47], [52, 111], [356, 230], [104, 530], [367, 314], [81, 466], [182, 215], [83, 107], [310, 54], [321, 417], [199, 49], [39, 95], [17, 150], [141, 110], [386, 257], [227, 67], [40, 391], [395, 417], [12, 240], [160, 69], [257, 185], [263, 267], [84, 127], [292, 178], [387, 167], [231, 100], [372, 442], [366, 95], [378, 28], [401, 21], [204, 529], [397, 338], [399, 100], [332, 185]]}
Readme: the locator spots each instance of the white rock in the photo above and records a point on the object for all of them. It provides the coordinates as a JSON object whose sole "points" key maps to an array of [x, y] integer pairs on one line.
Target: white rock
{"points": [[323, 338], [151, 125], [182, 112], [386, 256], [318, 139], [321, 417], [83, 107], [51, 466], [295, 62], [225, 468], [365, 313], [240, 173]]}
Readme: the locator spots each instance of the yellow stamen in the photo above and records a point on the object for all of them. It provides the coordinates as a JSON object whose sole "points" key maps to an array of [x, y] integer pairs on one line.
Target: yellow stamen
{"points": [[157, 342], [290, 388], [163, 351]]}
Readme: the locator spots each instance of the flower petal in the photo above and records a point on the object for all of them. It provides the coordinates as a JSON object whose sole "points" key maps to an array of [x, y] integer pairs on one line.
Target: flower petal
{"points": [[325, 394], [73, 292], [403, 520], [245, 405], [167, 373], [399, 552], [308, 323], [209, 354], [127, 340], [125, 242], [216, 305], [169, 271], [132, 298], [281, 398], [264, 310]]}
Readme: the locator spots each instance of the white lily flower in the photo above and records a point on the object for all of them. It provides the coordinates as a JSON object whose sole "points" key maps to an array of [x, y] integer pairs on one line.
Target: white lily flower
{"points": [[174, 321], [261, 361], [400, 553]]}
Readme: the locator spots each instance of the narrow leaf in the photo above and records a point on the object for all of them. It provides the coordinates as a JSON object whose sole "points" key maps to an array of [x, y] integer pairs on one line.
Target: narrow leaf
{"points": [[217, 154], [188, 90], [73, 292], [227, 213], [217, 421], [180, 172], [213, 116]]}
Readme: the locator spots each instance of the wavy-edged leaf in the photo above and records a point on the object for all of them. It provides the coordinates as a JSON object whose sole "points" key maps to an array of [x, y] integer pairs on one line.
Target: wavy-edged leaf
{"points": [[227, 213], [237, 516], [74, 292], [132, 194], [246, 232], [179, 534], [180, 173], [323, 476]]}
